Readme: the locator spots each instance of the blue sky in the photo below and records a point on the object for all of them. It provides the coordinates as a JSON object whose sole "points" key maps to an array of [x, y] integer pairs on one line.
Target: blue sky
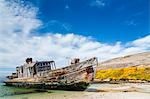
{"points": [[105, 20], [61, 30]]}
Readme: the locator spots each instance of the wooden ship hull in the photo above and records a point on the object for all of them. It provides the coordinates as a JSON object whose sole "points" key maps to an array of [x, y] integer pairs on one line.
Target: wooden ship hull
{"points": [[76, 76]]}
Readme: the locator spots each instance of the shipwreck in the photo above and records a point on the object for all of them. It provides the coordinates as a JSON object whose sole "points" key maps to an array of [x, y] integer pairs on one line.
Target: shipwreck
{"points": [[44, 75]]}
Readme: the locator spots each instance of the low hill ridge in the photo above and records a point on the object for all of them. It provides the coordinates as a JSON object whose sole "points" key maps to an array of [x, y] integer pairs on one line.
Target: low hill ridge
{"points": [[139, 60]]}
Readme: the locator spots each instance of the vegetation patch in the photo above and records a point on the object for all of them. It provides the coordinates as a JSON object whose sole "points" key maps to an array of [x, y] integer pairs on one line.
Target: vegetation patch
{"points": [[130, 73]]}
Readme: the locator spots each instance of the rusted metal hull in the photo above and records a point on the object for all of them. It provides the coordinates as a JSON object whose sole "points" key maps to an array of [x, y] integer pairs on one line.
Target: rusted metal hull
{"points": [[73, 77], [80, 86]]}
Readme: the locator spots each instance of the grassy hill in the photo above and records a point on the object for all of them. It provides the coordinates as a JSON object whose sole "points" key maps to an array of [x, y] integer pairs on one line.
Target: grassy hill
{"points": [[131, 67]]}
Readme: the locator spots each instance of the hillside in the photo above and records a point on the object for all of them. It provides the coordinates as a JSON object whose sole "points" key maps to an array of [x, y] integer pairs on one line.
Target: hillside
{"points": [[138, 60], [127, 68]]}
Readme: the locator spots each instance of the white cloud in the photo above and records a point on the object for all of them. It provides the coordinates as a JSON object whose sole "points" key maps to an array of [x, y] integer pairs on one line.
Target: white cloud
{"points": [[97, 3], [17, 43], [143, 42]]}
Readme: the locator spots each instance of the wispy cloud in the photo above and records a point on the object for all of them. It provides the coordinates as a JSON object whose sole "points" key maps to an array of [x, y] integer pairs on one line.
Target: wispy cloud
{"points": [[97, 3], [131, 23], [132, 19], [55, 25], [15, 46], [67, 7]]}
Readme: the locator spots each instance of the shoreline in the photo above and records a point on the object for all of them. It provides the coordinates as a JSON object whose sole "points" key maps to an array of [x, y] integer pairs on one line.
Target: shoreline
{"points": [[118, 81], [94, 91]]}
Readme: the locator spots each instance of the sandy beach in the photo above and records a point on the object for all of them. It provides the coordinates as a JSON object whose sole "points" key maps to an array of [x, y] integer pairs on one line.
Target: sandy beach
{"points": [[115, 95], [85, 95]]}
